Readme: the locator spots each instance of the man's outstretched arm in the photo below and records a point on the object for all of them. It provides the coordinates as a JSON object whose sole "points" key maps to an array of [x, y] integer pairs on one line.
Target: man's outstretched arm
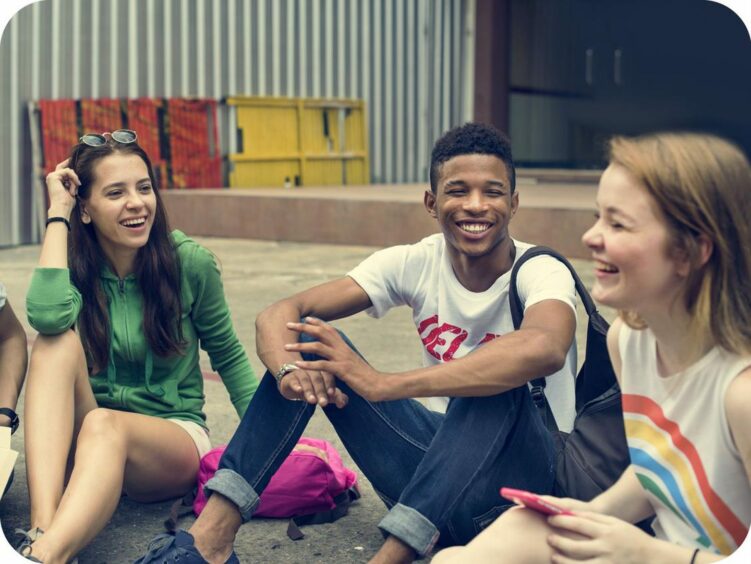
{"points": [[331, 300], [537, 349]]}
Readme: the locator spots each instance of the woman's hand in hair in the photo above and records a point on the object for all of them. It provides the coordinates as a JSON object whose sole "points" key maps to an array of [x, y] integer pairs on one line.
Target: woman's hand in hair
{"points": [[62, 187]]}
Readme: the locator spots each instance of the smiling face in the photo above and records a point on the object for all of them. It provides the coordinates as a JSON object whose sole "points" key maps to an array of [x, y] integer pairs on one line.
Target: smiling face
{"points": [[473, 204], [121, 205], [635, 268]]}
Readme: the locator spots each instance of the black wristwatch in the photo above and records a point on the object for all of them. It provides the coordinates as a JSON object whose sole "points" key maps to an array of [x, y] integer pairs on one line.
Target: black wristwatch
{"points": [[13, 416]]}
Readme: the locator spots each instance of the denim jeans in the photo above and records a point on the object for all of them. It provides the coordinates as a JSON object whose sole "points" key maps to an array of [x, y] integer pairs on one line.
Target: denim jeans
{"points": [[439, 474]]}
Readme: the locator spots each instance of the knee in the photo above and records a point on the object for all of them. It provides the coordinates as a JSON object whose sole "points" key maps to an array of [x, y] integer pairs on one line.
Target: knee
{"points": [[102, 424], [518, 535], [65, 347]]}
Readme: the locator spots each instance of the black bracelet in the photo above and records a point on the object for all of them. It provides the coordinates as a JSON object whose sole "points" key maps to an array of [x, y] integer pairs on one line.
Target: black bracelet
{"points": [[60, 219], [10, 414], [694, 555]]}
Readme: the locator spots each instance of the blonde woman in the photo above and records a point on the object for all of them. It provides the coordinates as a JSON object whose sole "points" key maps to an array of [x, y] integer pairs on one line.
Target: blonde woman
{"points": [[671, 252]]}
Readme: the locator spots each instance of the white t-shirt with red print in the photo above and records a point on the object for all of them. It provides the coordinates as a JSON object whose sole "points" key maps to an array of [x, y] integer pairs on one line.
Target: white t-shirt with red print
{"points": [[453, 321]]}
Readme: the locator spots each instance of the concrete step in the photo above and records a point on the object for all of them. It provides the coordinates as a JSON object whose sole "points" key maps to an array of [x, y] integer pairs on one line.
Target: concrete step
{"points": [[550, 213]]}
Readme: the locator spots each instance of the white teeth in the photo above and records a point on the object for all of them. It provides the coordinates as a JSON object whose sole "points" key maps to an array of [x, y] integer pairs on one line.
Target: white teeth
{"points": [[605, 266], [474, 227], [134, 222]]}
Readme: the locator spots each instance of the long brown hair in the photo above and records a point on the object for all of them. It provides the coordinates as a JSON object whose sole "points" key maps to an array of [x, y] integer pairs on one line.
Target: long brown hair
{"points": [[701, 185], [157, 267]]}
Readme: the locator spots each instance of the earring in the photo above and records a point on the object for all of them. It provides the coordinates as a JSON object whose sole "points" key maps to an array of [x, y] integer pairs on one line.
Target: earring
{"points": [[85, 218]]}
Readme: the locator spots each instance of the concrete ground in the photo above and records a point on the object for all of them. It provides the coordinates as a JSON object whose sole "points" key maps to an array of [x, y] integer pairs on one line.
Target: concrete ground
{"points": [[255, 273]]}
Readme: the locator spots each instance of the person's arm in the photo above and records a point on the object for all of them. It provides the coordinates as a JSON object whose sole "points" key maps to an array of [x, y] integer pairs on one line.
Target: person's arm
{"points": [[332, 300], [213, 325], [614, 351], [537, 349], [13, 359], [52, 302], [626, 498], [739, 416], [608, 539], [62, 187]]}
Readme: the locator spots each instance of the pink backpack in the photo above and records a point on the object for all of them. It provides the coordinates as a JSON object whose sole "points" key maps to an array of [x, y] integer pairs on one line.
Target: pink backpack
{"points": [[312, 484]]}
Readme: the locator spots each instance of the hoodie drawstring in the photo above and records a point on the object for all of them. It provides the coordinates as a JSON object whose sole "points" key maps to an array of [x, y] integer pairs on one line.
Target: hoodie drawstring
{"points": [[154, 389]]}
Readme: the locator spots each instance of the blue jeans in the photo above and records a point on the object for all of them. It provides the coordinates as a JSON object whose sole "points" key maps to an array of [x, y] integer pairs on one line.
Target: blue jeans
{"points": [[439, 474]]}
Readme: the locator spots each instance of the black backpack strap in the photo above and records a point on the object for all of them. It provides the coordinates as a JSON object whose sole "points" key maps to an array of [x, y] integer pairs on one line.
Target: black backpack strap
{"points": [[517, 315], [342, 501], [180, 508], [517, 309]]}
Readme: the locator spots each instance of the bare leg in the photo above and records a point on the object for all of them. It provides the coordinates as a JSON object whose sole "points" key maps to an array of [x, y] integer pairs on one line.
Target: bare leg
{"points": [[519, 536], [215, 529], [394, 551], [147, 457], [58, 396]]}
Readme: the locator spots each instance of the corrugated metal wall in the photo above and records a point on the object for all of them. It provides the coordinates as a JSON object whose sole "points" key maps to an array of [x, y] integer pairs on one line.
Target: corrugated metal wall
{"points": [[411, 60]]}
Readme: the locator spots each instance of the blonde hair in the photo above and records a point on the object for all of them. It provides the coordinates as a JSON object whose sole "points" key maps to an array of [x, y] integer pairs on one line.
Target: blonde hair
{"points": [[701, 185]]}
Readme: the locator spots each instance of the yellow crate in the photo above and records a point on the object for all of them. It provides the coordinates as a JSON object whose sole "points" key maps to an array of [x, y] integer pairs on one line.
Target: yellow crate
{"points": [[299, 141]]}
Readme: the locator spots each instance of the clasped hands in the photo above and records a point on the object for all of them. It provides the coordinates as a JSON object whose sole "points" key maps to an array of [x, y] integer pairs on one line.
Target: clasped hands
{"points": [[315, 381]]}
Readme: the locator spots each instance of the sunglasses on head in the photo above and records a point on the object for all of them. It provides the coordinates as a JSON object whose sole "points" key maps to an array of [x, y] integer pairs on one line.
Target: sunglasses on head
{"points": [[123, 136]]}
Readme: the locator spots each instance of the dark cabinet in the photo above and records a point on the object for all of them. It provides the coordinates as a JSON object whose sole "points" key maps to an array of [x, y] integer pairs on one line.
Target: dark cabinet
{"points": [[583, 70]]}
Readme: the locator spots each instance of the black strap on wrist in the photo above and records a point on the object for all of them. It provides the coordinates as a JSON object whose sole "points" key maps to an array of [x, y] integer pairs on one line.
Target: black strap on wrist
{"points": [[60, 219], [13, 416]]}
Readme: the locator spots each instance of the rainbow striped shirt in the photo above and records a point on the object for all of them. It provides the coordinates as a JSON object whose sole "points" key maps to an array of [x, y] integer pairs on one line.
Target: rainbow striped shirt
{"points": [[680, 445]]}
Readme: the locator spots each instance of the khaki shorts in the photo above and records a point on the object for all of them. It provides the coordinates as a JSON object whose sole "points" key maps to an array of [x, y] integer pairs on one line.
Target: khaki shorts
{"points": [[199, 435]]}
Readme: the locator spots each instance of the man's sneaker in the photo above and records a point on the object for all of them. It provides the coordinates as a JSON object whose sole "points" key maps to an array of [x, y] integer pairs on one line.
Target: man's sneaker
{"points": [[176, 547]]}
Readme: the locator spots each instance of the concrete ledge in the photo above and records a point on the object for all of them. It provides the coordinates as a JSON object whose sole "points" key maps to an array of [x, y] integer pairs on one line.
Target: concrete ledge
{"points": [[380, 215]]}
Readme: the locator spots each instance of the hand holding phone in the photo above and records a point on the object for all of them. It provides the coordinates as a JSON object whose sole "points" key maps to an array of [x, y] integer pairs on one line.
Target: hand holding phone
{"points": [[533, 501]]}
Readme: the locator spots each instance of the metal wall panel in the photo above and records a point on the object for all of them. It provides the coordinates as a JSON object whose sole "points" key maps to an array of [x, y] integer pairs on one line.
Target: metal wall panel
{"points": [[408, 59]]}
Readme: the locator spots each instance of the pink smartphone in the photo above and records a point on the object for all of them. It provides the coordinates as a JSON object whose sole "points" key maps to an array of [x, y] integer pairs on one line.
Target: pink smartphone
{"points": [[533, 501]]}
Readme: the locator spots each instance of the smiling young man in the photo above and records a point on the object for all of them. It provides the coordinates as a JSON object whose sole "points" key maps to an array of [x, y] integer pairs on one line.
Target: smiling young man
{"points": [[437, 468]]}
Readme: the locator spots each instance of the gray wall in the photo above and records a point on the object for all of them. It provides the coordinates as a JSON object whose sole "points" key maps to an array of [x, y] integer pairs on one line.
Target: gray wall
{"points": [[411, 60]]}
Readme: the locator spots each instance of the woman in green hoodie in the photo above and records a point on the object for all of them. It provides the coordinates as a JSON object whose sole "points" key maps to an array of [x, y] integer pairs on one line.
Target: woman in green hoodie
{"points": [[114, 392]]}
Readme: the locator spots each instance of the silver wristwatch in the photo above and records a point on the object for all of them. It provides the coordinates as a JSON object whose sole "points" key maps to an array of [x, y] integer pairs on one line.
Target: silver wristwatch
{"points": [[283, 371]]}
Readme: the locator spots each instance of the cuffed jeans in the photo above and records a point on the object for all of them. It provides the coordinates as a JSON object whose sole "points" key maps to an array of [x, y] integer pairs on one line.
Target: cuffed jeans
{"points": [[438, 473]]}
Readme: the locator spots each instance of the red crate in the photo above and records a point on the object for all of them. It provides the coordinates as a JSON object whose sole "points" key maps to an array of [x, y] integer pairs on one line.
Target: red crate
{"points": [[180, 135], [194, 143], [59, 131], [143, 118], [100, 116]]}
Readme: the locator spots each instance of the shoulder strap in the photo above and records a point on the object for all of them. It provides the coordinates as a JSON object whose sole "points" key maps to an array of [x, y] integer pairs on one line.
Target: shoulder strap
{"points": [[517, 312], [517, 309]]}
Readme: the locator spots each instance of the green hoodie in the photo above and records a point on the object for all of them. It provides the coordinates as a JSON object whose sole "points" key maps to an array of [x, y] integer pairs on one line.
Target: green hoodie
{"points": [[136, 379]]}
